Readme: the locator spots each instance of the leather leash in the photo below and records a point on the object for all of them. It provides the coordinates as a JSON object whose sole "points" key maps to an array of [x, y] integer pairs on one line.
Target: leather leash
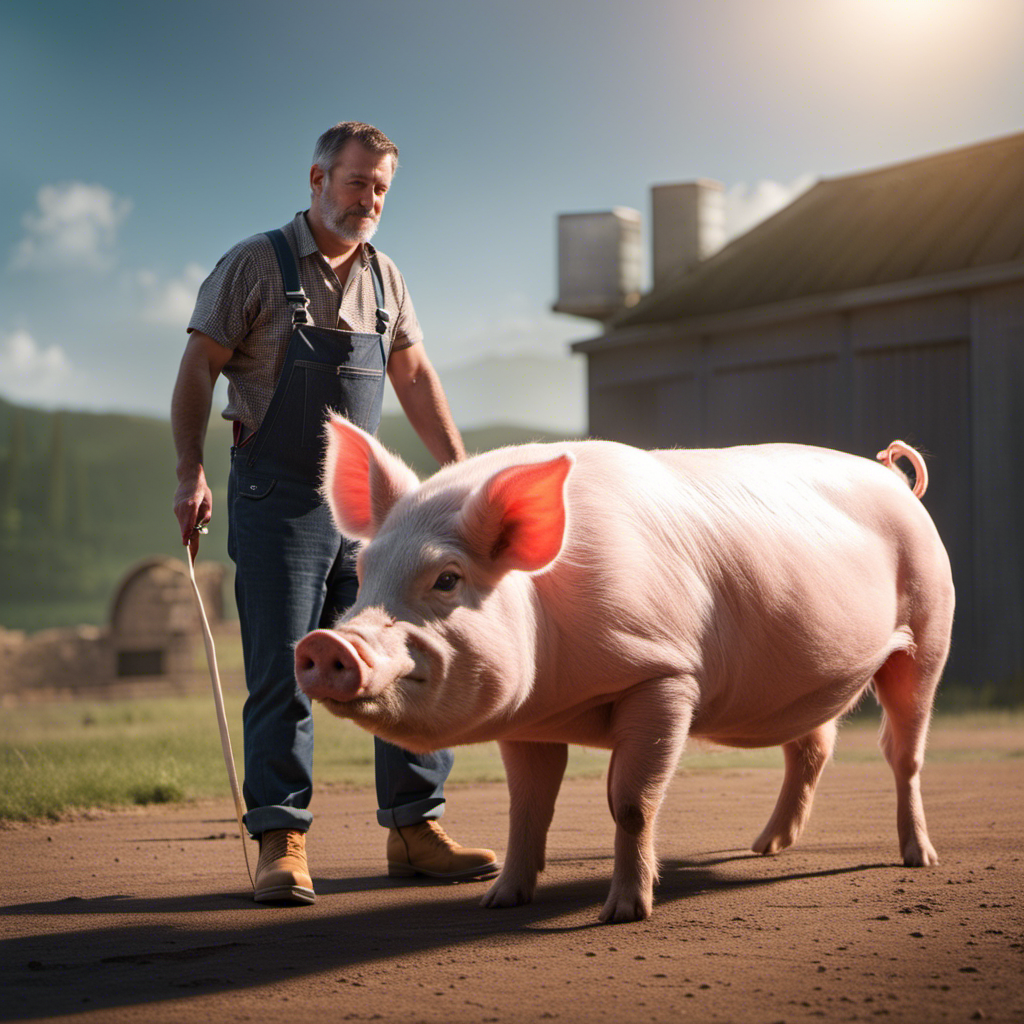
{"points": [[218, 699]]}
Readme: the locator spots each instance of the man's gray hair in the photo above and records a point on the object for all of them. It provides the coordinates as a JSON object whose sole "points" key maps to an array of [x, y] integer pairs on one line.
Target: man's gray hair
{"points": [[330, 144]]}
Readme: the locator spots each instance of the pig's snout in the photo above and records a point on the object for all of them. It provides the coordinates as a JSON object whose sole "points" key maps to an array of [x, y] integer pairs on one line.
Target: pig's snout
{"points": [[328, 666]]}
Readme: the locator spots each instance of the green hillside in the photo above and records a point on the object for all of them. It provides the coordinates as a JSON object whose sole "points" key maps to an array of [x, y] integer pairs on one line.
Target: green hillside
{"points": [[83, 496]]}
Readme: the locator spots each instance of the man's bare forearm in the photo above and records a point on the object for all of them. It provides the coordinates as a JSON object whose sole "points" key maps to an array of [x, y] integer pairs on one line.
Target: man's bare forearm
{"points": [[192, 400], [423, 400], [190, 414]]}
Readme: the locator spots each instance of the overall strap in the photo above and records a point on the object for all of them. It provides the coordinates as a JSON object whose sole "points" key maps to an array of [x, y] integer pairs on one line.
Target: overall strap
{"points": [[383, 316], [293, 290]]}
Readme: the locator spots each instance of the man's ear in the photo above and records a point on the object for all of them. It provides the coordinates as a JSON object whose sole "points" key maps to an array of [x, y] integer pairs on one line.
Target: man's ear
{"points": [[517, 519], [316, 179], [361, 479]]}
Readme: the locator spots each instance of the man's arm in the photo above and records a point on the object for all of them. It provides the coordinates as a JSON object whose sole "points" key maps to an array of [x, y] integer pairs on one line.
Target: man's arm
{"points": [[418, 388], [200, 366]]}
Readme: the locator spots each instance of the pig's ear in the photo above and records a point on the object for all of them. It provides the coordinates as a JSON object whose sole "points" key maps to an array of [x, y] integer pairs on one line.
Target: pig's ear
{"points": [[361, 480], [517, 519]]}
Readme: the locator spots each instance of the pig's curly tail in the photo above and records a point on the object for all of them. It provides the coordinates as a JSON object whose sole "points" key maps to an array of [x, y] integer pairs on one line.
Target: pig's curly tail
{"points": [[899, 449]]}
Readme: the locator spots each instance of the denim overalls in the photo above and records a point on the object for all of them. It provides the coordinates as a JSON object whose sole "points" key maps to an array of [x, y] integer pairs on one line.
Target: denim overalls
{"points": [[294, 572]]}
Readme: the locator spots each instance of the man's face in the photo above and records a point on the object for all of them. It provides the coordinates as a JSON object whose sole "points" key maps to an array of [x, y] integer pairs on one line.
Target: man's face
{"points": [[350, 198]]}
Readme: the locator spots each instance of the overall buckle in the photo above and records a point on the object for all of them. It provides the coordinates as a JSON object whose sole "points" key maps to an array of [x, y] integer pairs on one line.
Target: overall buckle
{"points": [[299, 302]]}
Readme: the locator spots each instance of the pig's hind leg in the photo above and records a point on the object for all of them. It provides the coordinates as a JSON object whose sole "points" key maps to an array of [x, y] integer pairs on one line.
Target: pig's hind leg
{"points": [[534, 772], [905, 686], [650, 726], [806, 757]]}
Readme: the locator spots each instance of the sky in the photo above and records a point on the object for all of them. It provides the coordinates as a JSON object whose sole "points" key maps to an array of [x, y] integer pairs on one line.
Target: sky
{"points": [[143, 140]]}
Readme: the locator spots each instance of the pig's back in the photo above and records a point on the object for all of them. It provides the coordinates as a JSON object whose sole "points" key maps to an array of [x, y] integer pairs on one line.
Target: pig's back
{"points": [[770, 486], [788, 487], [760, 495]]}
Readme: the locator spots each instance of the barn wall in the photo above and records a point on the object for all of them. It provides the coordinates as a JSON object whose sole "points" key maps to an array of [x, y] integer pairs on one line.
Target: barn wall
{"points": [[944, 373], [920, 393], [997, 380]]}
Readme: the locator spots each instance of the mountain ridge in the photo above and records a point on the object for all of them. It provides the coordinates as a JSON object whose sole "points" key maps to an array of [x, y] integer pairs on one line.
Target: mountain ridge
{"points": [[84, 495]]}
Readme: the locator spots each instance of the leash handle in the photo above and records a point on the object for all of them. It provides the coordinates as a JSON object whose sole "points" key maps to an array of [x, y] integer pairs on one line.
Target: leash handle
{"points": [[218, 700]]}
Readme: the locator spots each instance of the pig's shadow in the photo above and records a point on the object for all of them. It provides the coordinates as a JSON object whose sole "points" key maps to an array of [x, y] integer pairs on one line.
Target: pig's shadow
{"points": [[154, 957], [679, 878]]}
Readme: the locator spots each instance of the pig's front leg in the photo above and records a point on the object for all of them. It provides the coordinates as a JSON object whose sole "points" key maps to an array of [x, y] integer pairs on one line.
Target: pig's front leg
{"points": [[650, 725], [534, 772]]}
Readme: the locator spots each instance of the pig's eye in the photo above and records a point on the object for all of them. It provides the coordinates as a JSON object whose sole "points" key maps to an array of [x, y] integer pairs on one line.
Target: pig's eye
{"points": [[447, 581]]}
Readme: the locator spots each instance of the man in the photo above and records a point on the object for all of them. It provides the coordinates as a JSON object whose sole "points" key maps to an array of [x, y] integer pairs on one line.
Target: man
{"points": [[302, 320]]}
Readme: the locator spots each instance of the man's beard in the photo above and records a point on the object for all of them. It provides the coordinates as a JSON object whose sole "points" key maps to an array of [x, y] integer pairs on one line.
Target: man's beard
{"points": [[351, 225]]}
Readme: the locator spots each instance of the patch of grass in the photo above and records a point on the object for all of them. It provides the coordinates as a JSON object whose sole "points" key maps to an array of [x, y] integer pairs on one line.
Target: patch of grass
{"points": [[958, 698], [46, 778], [63, 757], [158, 793]]}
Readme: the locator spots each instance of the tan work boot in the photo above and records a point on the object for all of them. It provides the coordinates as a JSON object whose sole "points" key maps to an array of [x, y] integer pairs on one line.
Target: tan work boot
{"points": [[281, 873], [426, 849]]}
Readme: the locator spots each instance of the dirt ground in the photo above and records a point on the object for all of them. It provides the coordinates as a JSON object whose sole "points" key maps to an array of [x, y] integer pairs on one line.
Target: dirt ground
{"points": [[145, 916]]}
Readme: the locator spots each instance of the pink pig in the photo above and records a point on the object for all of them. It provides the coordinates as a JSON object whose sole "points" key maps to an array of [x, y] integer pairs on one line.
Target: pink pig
{"points": [[593, 593]]}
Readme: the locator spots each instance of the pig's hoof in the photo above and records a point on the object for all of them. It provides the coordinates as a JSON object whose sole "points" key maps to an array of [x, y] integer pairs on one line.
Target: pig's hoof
{"points": [[920, 855], [619, 909], [769, 843], [507, 894]]}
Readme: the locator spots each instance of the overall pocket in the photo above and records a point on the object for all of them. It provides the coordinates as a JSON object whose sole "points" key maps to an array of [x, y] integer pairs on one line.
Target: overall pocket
{"points": [[354, 391], [255, 488], [245, 490]]}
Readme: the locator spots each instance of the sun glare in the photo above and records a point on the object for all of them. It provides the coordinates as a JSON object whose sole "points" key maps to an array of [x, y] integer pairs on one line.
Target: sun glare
{"points": [[909, 48], [908, 10]]}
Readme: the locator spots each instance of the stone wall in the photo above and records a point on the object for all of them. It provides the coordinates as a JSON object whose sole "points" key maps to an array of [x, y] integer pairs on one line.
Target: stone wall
{"points": [[165, 657]]}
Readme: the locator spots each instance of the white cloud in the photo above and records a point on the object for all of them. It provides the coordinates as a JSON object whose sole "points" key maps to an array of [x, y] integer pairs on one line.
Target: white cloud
{"points": [[74, 225], [746, 206], [511, 325], [520, 335], [170, 301], [34, 374], [516, 368]]}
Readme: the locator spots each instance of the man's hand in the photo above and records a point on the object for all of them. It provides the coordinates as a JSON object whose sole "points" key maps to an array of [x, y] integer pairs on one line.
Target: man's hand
{"points": [[193, 506]]}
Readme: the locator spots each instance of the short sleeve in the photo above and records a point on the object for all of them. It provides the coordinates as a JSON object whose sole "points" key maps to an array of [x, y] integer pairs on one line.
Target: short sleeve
{"points": [[407, 331], [229, 299]]}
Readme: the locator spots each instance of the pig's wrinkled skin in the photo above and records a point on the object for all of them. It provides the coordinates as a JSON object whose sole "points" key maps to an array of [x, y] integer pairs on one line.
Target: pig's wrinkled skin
{"points": [[596, 594]]}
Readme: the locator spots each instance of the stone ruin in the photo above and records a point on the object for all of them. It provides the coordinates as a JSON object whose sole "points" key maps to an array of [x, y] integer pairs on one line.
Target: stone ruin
{"points": [[153, 643]]}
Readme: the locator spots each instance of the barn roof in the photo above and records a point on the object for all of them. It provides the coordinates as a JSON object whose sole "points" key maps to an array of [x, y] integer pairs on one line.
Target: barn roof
{"points": [[938, 215]]}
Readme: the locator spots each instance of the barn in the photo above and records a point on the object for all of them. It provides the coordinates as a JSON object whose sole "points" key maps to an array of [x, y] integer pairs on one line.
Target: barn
{"points": [[151, 646], [880, 305], [153, 619]]}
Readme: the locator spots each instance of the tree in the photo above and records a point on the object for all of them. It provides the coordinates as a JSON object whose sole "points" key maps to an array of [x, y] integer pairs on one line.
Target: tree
{"points": [[10, 513], [78, 498], [57, 492]]}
